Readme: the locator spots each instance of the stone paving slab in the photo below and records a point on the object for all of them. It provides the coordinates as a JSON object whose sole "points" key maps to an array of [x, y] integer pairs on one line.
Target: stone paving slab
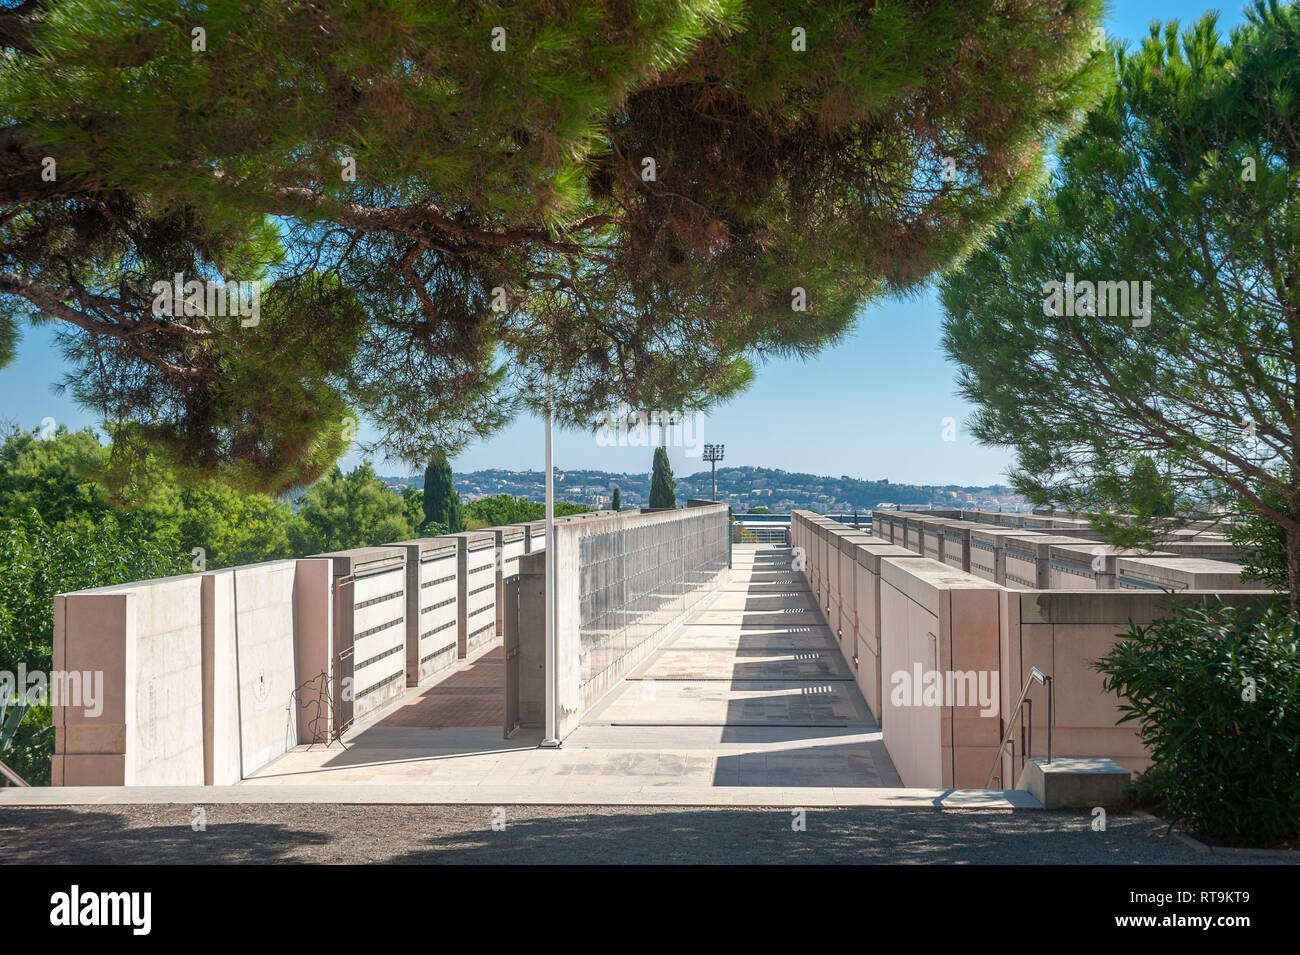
{"points": [[724, 739], [768, 576], [795, 617], [735, 638], [728, 663], [748, 602], [773, 702], [765, 587]]}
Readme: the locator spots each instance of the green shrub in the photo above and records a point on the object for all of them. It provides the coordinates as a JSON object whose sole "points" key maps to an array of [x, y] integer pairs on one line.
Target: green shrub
{"points": [[1229, 765]]}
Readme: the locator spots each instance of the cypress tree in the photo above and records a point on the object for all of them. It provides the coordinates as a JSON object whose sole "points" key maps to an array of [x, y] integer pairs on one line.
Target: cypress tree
{"points": [[441, 500], [662, 486]]}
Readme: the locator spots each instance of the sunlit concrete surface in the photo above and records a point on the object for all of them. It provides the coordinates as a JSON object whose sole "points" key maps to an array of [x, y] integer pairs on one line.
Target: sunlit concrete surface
{"points": [[749, 702], [751, 692]]}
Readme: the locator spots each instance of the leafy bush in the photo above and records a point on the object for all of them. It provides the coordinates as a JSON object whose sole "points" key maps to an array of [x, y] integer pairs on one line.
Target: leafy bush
{"points": [[1215, 691]]}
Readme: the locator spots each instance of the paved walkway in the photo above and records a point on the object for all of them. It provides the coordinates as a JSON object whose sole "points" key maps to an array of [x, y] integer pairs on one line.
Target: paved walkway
{"points": [[751, 693], [474, 694]]}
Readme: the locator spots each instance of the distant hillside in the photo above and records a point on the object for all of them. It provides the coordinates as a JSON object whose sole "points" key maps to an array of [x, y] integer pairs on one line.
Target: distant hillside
{"points": [[741, 487]]}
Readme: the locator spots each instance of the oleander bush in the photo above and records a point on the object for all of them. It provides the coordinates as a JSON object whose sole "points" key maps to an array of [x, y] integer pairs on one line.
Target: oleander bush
{"points": [[1215, 691]]}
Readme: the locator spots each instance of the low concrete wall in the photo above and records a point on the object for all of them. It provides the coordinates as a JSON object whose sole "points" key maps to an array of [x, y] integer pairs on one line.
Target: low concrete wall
{"points": [[1180, 572], [986, 550], [511, 544], [209, 677], [1027, 561], [199, 673], [937, 620], [1064, 634], [476, 580], [373, 623], [867, 625]]}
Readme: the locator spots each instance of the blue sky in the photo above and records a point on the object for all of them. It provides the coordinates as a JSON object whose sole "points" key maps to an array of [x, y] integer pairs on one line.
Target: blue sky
{"points": [[871, 407]]}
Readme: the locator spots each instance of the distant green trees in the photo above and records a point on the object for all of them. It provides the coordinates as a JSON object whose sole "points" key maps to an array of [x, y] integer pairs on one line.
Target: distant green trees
{"points": [[54, 476], [501, 509], [442, 508], [352, 510], [663, 489], [62, 480]]}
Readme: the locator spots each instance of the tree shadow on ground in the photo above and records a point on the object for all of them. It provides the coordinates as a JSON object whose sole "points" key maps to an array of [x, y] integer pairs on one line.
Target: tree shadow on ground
{"points": [[333, 833]]}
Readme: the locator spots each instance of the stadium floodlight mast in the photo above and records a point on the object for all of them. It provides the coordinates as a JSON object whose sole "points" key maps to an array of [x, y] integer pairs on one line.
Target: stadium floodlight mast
{"points": [[713, 454]]}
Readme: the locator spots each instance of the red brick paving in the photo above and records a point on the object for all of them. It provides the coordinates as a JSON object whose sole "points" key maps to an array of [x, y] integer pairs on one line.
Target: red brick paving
{"points": [[474, 695]]}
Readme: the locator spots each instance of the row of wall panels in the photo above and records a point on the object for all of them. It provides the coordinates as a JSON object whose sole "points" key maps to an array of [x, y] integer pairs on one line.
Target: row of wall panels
{"points": [[906, 610]]}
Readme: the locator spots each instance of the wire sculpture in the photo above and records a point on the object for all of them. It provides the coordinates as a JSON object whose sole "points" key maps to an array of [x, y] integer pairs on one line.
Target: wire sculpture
{"points": [[314, 696]]}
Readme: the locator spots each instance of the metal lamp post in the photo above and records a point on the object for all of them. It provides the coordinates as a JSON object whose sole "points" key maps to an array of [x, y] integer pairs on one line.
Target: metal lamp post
{"points": [[665, 421], [552, 723]]}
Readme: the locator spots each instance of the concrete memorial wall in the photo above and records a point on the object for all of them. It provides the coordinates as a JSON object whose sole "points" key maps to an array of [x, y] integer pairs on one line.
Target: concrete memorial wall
{"points": [[198, 672], [476, 580], [207, 677], [511, 544], [432, 602], [370, 657], [1181, 572], [913, 615], [624, 581]]}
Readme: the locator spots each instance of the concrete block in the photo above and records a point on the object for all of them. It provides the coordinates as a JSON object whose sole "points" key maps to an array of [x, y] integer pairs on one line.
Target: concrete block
{"points": [[1074, 782]]}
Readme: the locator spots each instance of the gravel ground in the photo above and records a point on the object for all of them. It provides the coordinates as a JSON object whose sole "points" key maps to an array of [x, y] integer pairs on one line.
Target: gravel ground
{"points": [[577, 834]]}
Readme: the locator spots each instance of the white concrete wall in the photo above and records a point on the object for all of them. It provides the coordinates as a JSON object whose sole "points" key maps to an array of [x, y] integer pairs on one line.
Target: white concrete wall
{"points": [[148, 638], [256, 673]]}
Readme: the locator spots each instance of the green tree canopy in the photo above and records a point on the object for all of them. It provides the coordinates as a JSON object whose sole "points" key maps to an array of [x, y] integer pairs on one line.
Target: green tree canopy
{"points": [[57, 476], [663, 488], [1184, 178], [353, 510], [618, 500], [447, 202]]}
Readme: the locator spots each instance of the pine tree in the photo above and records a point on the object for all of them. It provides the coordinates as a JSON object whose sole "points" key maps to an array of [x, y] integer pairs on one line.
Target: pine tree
{"points": [[618, 500], [432, 191], [442, 507], [662, 486], [1156, 369]]}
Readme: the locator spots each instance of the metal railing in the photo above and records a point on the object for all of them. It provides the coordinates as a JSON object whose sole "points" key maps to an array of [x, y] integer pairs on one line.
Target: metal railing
{"points": [[1026, 737], [752, 534]]}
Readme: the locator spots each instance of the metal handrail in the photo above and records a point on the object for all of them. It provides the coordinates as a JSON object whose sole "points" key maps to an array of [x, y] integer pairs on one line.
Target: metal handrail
{"points": [[13, 777], [1035, 676]]}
